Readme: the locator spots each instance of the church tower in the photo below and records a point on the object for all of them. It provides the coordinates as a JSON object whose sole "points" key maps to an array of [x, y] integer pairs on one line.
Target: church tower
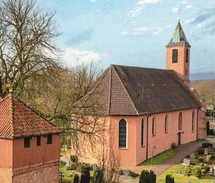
{"points": [[178, 54]]}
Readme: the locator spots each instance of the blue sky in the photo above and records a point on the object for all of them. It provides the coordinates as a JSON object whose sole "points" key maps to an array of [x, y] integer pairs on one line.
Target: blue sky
{"points": [[133, 32]]}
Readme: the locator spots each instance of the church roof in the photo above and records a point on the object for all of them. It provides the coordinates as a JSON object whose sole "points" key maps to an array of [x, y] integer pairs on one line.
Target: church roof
{"points": [[17, 120], [178, 38], [130, 90]]}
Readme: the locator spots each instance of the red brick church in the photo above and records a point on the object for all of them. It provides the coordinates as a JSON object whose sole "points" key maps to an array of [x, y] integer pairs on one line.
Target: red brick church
{"points": [[149, 110], [29, 145]]}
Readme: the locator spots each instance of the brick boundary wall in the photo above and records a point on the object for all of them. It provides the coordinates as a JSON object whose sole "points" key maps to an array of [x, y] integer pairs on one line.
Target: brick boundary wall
{"points": [[39, 173]]}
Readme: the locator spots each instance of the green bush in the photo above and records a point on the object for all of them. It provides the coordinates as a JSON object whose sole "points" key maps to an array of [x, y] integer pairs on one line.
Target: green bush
{"points": [[121, 172], [74, 158], [85, 176], [206, 145], [147, 177], [98, 176], [83, 166], [73, 166], [187, 171], [133, 174], [76, 178], [196, 171], [204, 168], [169, 179]]}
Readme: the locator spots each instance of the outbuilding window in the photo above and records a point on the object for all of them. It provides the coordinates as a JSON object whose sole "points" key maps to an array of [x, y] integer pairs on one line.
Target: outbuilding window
{"points": [[49, 139], [27, 142], [38, 140], [122, 133]]}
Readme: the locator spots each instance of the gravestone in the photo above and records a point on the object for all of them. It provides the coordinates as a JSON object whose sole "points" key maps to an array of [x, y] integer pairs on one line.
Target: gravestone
{"points": [[206, 152], [192, 155], [186, 161]]}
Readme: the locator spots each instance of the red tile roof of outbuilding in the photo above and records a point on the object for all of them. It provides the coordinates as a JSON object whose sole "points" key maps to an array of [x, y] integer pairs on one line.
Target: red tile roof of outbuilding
{"points": [[18, 120]]}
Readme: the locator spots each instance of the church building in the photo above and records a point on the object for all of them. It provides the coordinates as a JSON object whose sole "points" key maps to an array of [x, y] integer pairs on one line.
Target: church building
{"points": [[148, 111]]}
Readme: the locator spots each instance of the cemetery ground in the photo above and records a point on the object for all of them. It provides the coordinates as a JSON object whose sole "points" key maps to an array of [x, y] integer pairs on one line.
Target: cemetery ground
{"points": [[171, 162]]}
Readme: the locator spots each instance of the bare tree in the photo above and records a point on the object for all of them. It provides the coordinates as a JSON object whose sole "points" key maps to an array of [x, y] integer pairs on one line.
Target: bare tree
{"points": [[26, 43]]}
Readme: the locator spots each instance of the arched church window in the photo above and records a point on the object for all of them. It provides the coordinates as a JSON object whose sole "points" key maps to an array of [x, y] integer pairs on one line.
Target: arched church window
{"points": [[180, 121], [166, 124], [193, 121], [142, 132], [187, 55], [122, 133], [174, 55], [153, 126]]}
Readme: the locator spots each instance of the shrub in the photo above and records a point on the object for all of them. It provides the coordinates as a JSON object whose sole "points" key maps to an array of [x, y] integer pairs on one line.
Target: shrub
{"points": [[76, 178], [98, 176], [83, 166], [196, 171], [132, 174], [169, 179], [187, 171], [73, 166], [201, 151], [74, 158], [62, 163], [147, 177], [144, 177], [85, 176], [121, 172], [206, 145]]}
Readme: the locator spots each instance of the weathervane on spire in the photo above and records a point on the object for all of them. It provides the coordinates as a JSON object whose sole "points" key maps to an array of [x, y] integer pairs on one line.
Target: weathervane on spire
{"points": [[179, 13]]}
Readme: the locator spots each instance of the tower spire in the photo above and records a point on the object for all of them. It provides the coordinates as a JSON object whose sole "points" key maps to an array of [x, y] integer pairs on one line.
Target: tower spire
{"points": [[178, 37], [178, 54]]}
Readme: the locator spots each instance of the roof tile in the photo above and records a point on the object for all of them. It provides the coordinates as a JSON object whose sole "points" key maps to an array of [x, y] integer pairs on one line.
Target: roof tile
{"points": [[18, 120]]}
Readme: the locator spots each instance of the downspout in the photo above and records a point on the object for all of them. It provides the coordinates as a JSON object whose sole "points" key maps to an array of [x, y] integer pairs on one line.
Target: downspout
{"points": [[197, 124], [147, 136]]}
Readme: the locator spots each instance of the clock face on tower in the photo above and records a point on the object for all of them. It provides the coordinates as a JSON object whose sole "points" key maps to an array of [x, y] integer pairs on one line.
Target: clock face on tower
{"points": [[174, 56]]}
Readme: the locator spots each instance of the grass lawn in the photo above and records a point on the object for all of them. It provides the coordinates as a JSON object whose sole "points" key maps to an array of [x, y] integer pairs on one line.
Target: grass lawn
{"points": [[160, 158], [211, 136], [179, 178], [67, 174]]}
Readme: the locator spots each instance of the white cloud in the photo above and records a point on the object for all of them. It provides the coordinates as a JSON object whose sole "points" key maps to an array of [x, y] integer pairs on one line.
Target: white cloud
{"points": [[140, 31], [124, 33], [140, 6], [136, 32], [189, 21], [176, 10], [158, 31], [169, 25], [183, 2], [72, 57], [189, 6], [93, 1]]}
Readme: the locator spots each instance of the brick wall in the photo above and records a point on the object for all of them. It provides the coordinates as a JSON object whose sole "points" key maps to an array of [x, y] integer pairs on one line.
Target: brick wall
{"points": [[47, 173]]}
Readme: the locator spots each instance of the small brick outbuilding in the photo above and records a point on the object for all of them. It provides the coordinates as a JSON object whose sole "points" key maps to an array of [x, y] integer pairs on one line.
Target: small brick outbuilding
{"points": [[29, 145]]}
